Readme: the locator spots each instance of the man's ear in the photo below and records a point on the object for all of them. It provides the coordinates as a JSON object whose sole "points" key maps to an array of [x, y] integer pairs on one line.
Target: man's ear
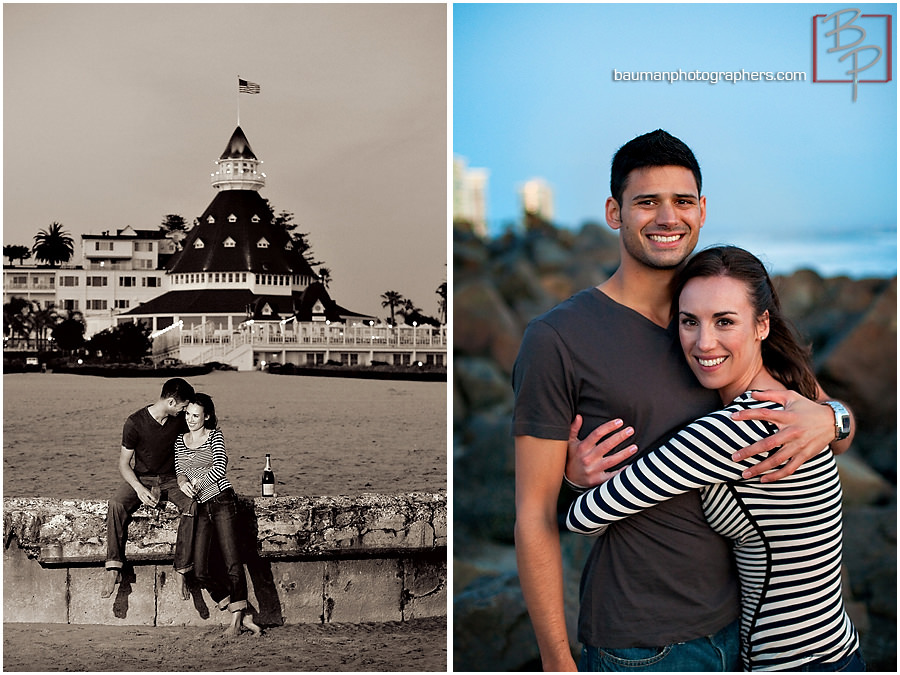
{"points": [[613, 213]]}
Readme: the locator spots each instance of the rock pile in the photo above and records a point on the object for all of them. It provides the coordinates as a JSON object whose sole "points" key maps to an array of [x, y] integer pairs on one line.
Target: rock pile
{"points": [[500, 284]]}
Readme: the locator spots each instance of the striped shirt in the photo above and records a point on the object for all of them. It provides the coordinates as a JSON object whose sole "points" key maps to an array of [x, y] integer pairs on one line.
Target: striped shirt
{"points": [[204, 466], [786, 534]]}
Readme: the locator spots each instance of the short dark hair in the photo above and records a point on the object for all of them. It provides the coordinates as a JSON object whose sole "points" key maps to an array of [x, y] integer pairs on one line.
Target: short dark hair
{"points": [[657, 148], [209, 409], [783, 353], [178, 389]]}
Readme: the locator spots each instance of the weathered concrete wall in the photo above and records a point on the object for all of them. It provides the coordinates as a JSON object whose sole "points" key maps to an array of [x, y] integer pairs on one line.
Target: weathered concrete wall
{"points": [[373, 557]]}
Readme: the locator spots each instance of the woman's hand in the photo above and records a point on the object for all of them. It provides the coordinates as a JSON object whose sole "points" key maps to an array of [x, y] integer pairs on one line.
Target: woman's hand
{"points": [[588, 461]]}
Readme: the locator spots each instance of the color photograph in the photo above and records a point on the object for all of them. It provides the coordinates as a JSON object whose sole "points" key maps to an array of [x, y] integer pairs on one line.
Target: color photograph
{"points": [[674, 336]]}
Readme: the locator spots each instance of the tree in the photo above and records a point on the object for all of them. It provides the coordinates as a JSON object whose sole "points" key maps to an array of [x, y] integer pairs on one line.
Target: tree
{"points": [[125, 343], [173, 223], [69, 332], [325, 276], [442, 301], [16, 252], [408, 310], [53, 245], [44, 321], [285, 221], [18, 319], [393, 300]]}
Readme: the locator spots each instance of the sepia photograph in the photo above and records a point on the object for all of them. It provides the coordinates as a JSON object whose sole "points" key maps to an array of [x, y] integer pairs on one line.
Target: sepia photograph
{"points": [[225, 339]]}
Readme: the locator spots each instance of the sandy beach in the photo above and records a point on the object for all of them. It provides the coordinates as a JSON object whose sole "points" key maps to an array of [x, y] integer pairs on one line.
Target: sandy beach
{"points": [[327, 436], [415, 646], [62, 434]]}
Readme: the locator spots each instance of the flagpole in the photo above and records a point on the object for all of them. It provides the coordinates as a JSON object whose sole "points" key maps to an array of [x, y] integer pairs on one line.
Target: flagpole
{"points": [[239, 102]]}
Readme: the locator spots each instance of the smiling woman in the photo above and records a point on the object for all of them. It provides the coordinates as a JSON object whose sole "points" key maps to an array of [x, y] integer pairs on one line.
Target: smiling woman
{"points": [[787, 534]]}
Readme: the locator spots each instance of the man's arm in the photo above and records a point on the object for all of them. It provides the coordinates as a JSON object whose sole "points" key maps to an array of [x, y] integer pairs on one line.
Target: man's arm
{"points": [[805, 428], [539, 472], [127, 471]]}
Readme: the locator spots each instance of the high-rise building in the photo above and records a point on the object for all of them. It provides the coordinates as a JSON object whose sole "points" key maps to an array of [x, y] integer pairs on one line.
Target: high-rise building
{"points": [[470, 195], [537, 199]]}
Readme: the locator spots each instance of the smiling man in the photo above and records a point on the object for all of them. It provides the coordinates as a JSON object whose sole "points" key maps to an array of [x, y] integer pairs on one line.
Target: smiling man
{"points": [[659, 590]]}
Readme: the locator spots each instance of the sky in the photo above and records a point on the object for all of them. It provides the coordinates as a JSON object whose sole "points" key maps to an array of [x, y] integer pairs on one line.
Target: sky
{"points": [[114, 114], [796, 171]]}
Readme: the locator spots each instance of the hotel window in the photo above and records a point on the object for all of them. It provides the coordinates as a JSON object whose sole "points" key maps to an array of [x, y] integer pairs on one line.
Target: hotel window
{"points": [[217, 277], [96, 304], [199, 243], [254, 219], [68, 281], [229, 243], [243, 277], [289, 246], [122, 304], [127, 281], [70, 304], [96, 281], [151, 282], [262, 243], [230, 277], [143, 246], [103, 246], [232, 218], [210, 219]]}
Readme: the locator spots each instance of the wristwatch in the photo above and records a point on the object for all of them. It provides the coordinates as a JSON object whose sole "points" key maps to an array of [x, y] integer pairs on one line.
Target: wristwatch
{"points": [[841, 420]]}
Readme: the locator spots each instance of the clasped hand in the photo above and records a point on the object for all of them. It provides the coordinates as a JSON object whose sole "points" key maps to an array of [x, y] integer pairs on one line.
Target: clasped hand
{"points": [[588, 461]]}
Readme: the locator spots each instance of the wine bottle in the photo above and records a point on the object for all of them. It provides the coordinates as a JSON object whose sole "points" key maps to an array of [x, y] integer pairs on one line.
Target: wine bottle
{"points": [[268, 479]]}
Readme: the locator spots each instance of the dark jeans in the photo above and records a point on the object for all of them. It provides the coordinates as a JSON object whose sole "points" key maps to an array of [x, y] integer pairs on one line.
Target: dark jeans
{"points": [[714, 653], [852, 663], [216, 523], [125, 502]]}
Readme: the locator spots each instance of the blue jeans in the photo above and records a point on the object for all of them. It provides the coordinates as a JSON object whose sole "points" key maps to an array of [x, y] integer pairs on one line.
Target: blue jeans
{"points": [[720, 652], [852, 663], [125, 502], [216, 520]]}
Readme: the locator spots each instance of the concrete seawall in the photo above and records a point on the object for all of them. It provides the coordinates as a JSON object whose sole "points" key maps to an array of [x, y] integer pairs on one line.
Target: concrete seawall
{"points": [[372, 557]]}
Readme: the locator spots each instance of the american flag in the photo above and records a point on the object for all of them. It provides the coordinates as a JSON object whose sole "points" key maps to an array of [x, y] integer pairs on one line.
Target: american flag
{"points": [[245, 87]]}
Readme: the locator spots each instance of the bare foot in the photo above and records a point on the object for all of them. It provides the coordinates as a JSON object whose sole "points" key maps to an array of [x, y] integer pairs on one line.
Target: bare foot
{"points": [[247, 622], [110, 579], [234, 630], [183, 586]]}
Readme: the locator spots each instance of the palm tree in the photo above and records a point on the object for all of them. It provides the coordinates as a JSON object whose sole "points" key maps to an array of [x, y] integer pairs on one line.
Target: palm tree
{"points": [[325, 276], [18, 319], [53, 245], [409, 310], [16, 252], [391, 299], [442, 301], [44, 320]]}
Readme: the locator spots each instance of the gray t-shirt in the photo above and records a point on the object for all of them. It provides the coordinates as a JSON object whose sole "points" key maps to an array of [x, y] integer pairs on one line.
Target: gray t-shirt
{"points": [[660, 576]]}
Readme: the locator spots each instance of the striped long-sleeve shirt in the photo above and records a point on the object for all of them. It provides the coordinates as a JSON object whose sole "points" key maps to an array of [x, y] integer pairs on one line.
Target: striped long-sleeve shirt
{"points": [[787, 534], [204, 466]]}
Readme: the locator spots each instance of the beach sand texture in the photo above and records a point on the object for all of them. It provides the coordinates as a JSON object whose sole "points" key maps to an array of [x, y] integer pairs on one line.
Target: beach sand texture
{"points": [[62, 434]]}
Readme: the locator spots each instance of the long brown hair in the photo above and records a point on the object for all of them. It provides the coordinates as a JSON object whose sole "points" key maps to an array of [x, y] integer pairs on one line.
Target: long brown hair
{"points": [[784, 356]]}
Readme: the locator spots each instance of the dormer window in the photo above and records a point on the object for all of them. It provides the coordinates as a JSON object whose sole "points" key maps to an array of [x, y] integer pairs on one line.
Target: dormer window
{"points": [[289, 246], [262, 243], [229, 243], [232, 218], [266, 310], [199, 243], [210, 219], [254, 219]]}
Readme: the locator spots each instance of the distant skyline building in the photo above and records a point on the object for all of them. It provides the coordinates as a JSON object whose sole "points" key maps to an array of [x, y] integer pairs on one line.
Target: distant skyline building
{"points": [[537, 199], [470, 189]]}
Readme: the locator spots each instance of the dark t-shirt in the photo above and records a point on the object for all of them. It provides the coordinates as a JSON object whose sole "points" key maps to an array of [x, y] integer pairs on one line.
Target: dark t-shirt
{"points": [[660, 576], [153, 443]]}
